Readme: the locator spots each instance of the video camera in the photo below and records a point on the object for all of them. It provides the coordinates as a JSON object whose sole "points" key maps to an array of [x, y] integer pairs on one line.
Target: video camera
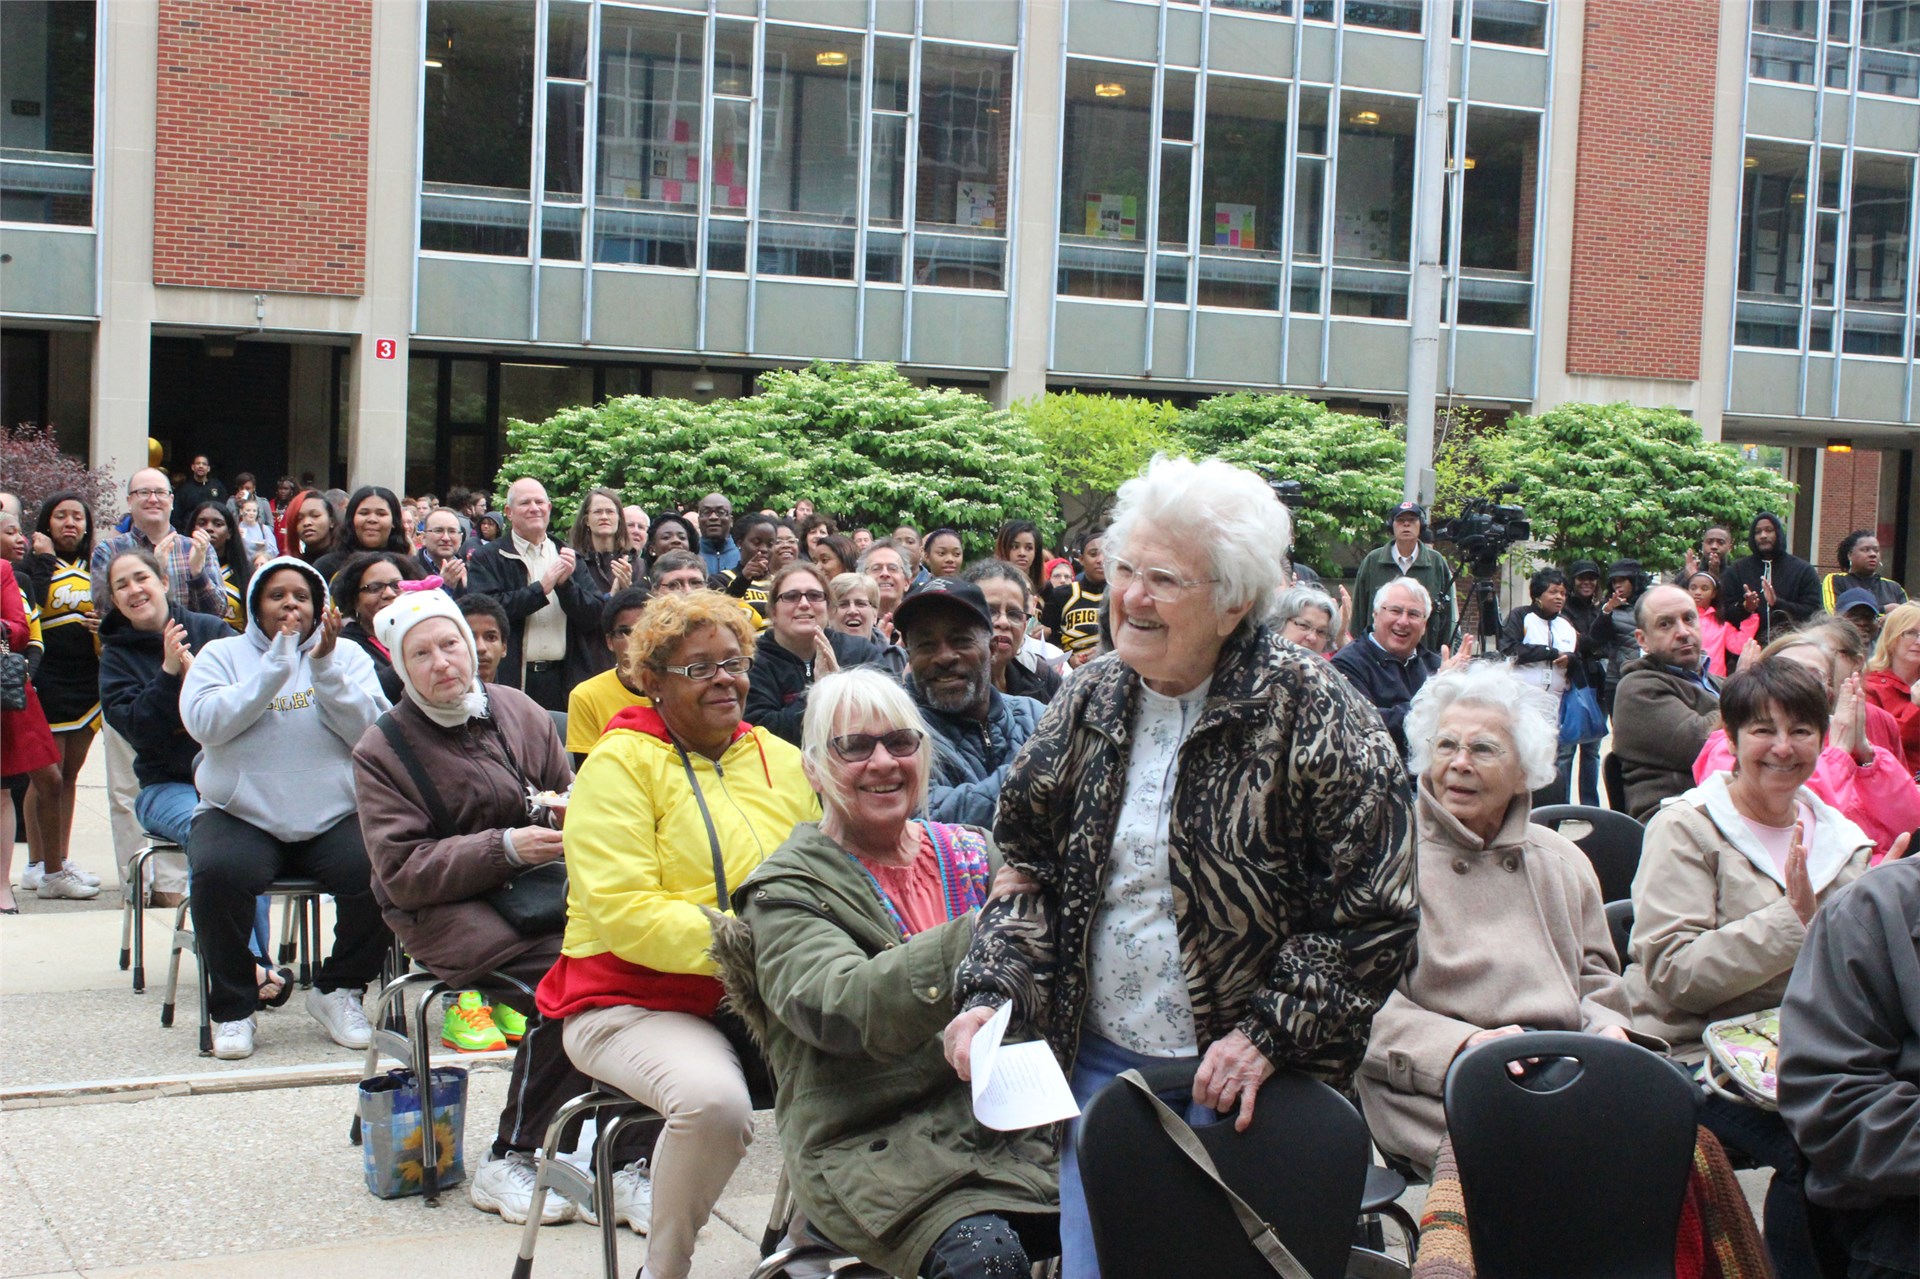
{"points": [[1484, 530]]}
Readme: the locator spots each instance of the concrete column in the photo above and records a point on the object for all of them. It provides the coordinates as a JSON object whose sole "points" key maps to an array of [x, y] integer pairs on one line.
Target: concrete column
{"points": [[376, 425], [1034, 219], [117, 431], [1723, 219]]}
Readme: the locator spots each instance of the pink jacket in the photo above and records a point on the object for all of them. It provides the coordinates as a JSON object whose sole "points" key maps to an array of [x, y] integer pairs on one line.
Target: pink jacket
{"points": [[1881, 799], [1719, 638]]}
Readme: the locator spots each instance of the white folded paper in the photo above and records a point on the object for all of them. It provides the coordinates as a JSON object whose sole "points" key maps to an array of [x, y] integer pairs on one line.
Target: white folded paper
{"points": [[1016, 1085]]}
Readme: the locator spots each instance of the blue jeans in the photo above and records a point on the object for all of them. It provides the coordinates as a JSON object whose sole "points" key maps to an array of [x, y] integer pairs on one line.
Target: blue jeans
{"points": [[166, 809], [1098, 1063]]}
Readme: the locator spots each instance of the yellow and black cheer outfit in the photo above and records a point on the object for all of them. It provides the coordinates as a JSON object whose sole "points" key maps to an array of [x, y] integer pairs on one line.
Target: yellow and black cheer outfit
{"points": [[753, 596], [68, 680], [236, 615], [1079, 628]]}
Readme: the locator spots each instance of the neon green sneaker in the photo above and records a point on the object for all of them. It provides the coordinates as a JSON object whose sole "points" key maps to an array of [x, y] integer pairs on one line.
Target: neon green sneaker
{"points": [[512, 1024], [469, 1027]]}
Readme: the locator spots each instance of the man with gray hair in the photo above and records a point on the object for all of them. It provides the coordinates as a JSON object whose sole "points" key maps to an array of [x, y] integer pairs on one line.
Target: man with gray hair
{"points": [[1388, 664], [1667, 704]]}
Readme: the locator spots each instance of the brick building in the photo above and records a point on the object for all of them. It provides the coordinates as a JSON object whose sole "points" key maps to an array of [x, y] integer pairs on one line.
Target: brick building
{"points": [[352, 238]]}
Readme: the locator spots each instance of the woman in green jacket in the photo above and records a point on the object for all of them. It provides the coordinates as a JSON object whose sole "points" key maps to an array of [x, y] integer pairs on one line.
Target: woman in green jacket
{"points": [[841, 959]]}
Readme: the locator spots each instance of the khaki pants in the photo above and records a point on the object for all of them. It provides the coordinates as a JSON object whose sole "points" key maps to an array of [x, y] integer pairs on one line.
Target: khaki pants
{"points": [[685, 1069], [166, 874]]}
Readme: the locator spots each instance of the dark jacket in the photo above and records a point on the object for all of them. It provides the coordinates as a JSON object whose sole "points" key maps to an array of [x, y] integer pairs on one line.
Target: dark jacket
{"points": [[778, 681], [188, 497], [1040, 682], [496, 569], [1386, 681], [1796, 587], [382, 661], [1582, 613], [430, 567], [1613, 633], [142, 702], [1661, 719], [970, 756], [430, 883], [1886, 592], [1430, 569], [1290, 853], [879, 1132]]}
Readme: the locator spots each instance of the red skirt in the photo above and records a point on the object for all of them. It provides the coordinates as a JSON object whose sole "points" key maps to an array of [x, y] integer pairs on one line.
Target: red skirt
{"points": [[26, 743]]}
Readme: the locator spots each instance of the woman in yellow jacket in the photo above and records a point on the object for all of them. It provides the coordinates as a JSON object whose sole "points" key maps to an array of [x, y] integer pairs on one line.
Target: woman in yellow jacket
{"points": [[671, 793]]}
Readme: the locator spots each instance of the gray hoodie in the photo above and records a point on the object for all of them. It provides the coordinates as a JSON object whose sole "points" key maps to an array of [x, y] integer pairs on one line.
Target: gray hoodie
{"points": [[276, 724]]}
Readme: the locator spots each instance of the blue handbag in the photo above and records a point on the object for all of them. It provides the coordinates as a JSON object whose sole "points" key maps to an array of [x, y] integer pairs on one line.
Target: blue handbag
{"points": [[1581, 719]]}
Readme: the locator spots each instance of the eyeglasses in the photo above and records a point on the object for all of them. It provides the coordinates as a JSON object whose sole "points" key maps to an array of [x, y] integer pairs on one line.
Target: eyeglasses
{"points": [[1018, 616], [145, 493], [701, 672], [1480, 751], [816, 598], [1163, 585], [855, 748], [380, 588]]}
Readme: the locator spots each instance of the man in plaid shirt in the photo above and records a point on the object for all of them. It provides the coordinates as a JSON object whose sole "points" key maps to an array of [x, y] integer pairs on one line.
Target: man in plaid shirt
{"points": [[193, 572]]}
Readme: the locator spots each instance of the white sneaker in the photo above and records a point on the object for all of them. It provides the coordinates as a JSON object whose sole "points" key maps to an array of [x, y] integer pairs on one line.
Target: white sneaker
{"points": [[341, 1016], [64, 883], [505, 1186], [632, 1199], [233, 1040], [86, 877], [30, 877]]}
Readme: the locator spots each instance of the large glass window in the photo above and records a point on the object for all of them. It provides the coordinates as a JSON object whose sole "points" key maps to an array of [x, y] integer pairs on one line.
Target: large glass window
{"points": [[1373, 205], [1773, 217], [1786, 34], [1877, 255], [477, 152], [960, 192], [1499, 181], [1243, 190], [46, 135], [809, 153], [651, 162], [1105, 152]]}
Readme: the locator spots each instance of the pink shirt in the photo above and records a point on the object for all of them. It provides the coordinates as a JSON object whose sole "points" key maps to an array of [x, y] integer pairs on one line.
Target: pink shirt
{"points": [[1880, 798], [1719, 639], [916, 891]]}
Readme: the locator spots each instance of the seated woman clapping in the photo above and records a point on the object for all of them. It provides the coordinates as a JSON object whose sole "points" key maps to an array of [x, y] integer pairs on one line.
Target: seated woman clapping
{"points": [[677, 796], [856, 925], [1513, 935]]}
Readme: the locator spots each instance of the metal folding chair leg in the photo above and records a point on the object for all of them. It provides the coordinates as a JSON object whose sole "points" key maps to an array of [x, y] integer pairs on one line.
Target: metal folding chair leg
{"points": [[133, 919], [555, 1173]]}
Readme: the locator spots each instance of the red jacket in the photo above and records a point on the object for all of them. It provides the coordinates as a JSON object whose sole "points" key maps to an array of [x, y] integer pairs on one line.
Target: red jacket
{"points": [[1893, 695]]}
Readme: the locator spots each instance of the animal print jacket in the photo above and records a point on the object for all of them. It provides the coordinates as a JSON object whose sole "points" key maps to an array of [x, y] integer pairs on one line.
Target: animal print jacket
{"points": [[1291, 856]]}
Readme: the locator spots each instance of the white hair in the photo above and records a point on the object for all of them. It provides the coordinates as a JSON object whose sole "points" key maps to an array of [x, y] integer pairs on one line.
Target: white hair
{"points": [[835, 704], [1226, 510], [1411, 586], [1295, 600], [1531, 716]]}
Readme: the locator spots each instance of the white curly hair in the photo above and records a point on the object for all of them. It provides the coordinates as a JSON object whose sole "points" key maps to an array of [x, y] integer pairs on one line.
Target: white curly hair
{"points": [[1532, 718], [1226, 510]]}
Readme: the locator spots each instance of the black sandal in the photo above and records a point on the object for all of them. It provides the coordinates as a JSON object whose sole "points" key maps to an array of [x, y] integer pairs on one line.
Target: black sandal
{"points": [[279, 998]]}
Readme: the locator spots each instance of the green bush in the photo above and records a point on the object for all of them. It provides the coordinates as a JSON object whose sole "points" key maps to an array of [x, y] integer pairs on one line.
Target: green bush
{"points": [[1092, 444]]}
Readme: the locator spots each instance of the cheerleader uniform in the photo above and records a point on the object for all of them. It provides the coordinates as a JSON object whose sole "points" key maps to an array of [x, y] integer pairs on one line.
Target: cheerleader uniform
{"points": [[68, 680]]}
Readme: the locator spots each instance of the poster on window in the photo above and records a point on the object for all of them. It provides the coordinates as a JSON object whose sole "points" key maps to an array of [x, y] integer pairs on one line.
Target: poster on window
{"points": [[973, 205], [1233, 225], [1112, 217]]}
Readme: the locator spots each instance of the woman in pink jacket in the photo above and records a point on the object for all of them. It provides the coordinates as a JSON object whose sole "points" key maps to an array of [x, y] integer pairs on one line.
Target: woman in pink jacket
{"points": [[1867, 783]]}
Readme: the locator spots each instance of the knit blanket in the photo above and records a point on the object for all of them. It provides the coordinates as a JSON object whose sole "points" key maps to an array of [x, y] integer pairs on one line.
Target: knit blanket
{"points": [[1717, 1238]]}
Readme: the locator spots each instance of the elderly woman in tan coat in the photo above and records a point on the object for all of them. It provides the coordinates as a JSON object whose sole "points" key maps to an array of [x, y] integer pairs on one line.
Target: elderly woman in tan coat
{"points": [[1512, 934]]}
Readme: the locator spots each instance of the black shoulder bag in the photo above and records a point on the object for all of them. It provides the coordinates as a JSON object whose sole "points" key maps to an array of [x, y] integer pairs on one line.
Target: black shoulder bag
{"points": [[533, 902]]}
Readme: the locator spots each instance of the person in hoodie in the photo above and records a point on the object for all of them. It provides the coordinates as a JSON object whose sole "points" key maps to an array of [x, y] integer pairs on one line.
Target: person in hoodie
{"points": [[1731, 873], [803, 650], [1781, 588], [277, 712], [1859, 558], [1612, 627], [678, 802]]}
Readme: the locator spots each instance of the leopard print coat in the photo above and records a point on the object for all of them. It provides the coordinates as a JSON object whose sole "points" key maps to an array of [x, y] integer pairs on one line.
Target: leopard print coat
{"points": [[1291, 856]]}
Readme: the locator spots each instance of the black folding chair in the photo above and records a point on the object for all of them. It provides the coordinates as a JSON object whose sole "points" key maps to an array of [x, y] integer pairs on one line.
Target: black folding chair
{"points": [[1301, 1166], [1577, 1169], [1620, 924], [1614, 776], [1611, 842]]}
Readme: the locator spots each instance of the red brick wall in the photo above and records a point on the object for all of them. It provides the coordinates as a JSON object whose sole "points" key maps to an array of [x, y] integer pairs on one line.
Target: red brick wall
{"points": [[261, 174], [1850, 499], [1640, 189]]}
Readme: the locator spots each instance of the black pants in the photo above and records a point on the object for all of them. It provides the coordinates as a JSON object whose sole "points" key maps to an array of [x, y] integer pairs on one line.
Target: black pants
{"points": [[232, 862], [547, 687], [990, 1246], [1883, 1242], [543, 1076]]}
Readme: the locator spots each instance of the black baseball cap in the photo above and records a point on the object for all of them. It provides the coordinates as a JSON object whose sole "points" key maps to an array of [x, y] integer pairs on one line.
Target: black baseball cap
{"points": [[942, 593]]}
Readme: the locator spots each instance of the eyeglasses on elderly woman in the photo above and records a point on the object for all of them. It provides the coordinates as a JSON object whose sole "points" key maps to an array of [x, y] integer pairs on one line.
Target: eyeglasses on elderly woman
{"points": [[856, 748]]}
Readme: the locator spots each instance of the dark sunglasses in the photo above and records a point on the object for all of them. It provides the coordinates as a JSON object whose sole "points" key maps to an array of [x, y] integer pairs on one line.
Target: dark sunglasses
{"points": [[856, 748]]}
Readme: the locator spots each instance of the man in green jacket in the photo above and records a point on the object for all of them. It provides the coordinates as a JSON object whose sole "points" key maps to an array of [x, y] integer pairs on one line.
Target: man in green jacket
{"points": [[1406, 556]]}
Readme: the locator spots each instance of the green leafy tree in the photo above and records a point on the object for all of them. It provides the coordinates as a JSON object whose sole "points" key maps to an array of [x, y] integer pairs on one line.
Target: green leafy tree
{"points": [[1092, 444], [861, 441], [1349, 467], [1601, 480]]}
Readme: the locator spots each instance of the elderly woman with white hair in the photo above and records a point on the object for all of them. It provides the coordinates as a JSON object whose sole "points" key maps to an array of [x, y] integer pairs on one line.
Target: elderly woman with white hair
{"points": [[1513, 935], [1215, 825], [840, 960]]}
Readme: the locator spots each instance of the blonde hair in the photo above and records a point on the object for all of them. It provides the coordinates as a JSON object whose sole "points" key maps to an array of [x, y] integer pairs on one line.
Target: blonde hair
{"points": [[672, 616], [845, 698], [1902, 620], [839, 586]]}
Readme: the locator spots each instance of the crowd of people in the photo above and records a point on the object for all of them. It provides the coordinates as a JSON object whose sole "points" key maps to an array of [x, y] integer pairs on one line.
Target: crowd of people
{"points": [[736, 791]]}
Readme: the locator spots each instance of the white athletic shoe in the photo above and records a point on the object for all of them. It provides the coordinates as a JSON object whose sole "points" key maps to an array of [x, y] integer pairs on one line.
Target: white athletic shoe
{"points": [[30, 877], [341, 1016], [64, 883], [85, 876], [632, 1198], [505, 1186], [233, 1040]]}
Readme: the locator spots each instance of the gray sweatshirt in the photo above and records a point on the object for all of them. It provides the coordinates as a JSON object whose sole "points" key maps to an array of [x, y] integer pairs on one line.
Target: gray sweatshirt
{"points": [[276, 724]]}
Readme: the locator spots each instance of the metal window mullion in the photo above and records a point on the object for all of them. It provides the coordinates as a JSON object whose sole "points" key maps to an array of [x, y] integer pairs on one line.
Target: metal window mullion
{"points": [[589, 170], [1733, 319], [910, 192], [1810, 230], [1289, 201], [1452, 268], [1329, 184], [1150, 279], [537, 184], [710, 37], [756, 128], [1910, 327], [863, 187], [419, 169], [1843, 238], [1059, 190], [1017, 68], [1195, 167], [100, 39]]}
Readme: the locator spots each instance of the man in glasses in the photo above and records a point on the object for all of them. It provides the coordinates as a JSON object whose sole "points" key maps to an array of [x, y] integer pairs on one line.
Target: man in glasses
{"points": [[193, 572], [1389, 664], [948, 633]]}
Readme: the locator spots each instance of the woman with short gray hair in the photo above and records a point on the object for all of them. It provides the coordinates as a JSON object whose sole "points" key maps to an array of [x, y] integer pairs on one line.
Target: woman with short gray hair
{"points": [[1308, 616], [1513, 934], [1209, 828]]}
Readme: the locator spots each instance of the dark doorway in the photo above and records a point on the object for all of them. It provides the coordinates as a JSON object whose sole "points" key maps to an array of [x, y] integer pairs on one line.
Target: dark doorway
{"points": [[23, 377], [234, 408]]}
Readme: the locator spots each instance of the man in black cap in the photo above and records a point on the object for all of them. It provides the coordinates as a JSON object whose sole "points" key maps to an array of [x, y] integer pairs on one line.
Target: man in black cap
{"points": [[1864, 611], [1407, 555], [948, 633]]}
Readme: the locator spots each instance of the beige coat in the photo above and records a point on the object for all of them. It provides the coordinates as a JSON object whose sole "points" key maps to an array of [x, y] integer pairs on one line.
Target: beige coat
{"points": [[1512, 932], [1713, 934]]}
